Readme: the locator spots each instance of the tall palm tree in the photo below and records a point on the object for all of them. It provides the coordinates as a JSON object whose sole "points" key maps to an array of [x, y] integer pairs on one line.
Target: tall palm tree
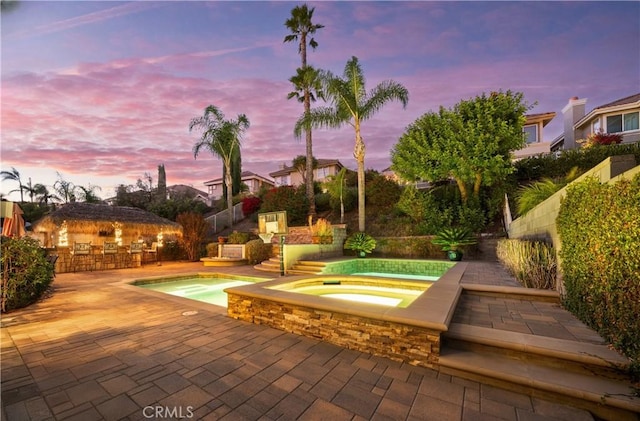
{"points": [[222, 138], [301, 26], [14, 175], [88, 194], [43, 194], [66, 190], [351, 104]]}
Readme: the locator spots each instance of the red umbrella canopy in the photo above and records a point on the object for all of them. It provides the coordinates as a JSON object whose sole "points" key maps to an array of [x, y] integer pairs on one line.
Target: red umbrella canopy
{"points": [[13, 222]]}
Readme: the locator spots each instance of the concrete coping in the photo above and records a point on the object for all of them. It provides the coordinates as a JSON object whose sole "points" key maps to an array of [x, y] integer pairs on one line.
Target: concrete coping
{"points": [[432, 310]]}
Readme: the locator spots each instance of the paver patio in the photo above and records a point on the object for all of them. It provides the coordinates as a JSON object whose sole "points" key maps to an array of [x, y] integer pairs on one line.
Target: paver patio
{"points": [[97, 349]]}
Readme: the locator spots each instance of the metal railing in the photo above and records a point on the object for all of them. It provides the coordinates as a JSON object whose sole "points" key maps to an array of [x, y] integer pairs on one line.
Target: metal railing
{"points": [[220, 220]]}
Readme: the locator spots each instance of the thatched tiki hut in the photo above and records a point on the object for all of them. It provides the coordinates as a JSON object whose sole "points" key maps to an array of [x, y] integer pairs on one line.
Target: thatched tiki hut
{"points": [[96, 223]]}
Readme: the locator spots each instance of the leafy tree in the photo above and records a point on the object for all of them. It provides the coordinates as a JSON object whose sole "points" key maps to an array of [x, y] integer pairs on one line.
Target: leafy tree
{"points": [[306, 80], [194, 231], [14, 175], [222, 138], [471, 143], [288, 198], [352, 104]]}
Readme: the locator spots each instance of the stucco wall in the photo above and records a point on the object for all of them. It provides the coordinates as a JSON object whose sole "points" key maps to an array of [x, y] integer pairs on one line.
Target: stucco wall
{"points": [[540, 222]]}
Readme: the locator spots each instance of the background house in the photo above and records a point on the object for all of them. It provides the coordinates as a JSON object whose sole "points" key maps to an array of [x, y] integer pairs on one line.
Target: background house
{"points": [[253, 181], [290, 176], [620, 116], [533, 130], [178, 191]]}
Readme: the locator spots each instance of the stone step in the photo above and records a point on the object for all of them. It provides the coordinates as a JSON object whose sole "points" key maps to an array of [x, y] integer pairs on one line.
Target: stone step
{"points": [[312, 263], [564, 351], [609, 397], [295, 271]]}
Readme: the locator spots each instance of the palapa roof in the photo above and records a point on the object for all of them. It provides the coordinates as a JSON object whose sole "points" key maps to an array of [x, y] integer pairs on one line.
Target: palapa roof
{"points": [[91, 218]]}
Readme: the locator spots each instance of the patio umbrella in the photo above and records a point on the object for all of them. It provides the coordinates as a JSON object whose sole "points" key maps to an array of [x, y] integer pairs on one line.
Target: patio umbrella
{"points": [[13, 223]]}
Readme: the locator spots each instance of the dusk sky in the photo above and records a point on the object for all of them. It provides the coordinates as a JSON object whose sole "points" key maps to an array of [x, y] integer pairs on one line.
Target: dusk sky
{"points": [[103, 92]]}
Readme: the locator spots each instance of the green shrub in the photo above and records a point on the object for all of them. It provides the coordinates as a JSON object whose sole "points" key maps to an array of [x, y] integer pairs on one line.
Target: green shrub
{"points": [[408, 247], [172, 251], [238, 237], [26, 273], [288, 198], [550, 166], [533, 263], [380, 191], [323, 202], [212, 250], [257, 251], [414, 203], [599, 226]]}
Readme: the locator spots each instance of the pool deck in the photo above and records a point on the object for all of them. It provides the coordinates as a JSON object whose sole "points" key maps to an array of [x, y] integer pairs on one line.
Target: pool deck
{"points": [[100, 349]]}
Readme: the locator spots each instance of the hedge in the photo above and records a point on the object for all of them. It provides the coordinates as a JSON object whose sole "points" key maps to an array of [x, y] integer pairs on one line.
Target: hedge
{"points": [[26, 272], [599, 227]]}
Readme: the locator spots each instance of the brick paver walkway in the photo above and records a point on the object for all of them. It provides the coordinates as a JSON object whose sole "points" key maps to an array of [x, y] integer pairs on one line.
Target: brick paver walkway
{"points": [[96, 350]]}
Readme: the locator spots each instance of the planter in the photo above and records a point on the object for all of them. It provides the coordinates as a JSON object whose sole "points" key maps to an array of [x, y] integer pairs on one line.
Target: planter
{"points": [[317, 239], [454, 255]]}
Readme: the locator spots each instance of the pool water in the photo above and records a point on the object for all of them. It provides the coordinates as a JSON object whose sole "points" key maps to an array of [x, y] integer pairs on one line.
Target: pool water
{"points": [[208, 290], [429, 278]]}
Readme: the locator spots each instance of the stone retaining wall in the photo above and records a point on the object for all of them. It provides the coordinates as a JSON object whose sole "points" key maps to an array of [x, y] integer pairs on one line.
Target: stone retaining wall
{"points": [[400, 342]]}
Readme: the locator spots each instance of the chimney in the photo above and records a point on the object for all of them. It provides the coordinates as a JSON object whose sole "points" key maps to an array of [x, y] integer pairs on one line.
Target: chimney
{"points": [[572, 112]]}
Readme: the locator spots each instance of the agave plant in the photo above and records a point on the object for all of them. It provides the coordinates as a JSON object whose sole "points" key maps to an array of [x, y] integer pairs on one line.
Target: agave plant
{"points": [[361, 243], [452, 239]]}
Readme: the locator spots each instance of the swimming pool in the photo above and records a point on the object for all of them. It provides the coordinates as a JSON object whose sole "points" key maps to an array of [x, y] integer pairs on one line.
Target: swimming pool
{"points": [[207, 288]]}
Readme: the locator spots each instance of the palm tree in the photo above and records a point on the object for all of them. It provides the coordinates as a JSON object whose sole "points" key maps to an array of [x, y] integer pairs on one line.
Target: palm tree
{"points": [[43, 194], [352, 104], [335, 187], [301, 26], [88, 194], [14, 175], [222, 138], [66, 190]]}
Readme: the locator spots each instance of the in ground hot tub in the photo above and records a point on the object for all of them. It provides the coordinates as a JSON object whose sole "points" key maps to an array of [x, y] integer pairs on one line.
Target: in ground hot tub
{"points": [[363, 289], [408, 333]]}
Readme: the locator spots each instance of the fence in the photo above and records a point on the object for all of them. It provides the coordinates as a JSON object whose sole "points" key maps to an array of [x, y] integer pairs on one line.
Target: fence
{"points": [[220, 220]]}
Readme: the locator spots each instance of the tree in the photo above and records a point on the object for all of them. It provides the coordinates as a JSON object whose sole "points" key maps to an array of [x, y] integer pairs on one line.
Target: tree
{"points": [[301, 26], [194, 230], [352, 104], [300, 164], [471, 143], [335, 186], [161, 194], [42, 194], [66, 190], [14, 175], [88, 194], [222, 138]]}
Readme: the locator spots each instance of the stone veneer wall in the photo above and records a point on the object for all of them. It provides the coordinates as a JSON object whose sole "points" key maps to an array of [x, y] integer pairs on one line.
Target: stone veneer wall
{"points": [[400, 342], [400, 266], [95, 261]]}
